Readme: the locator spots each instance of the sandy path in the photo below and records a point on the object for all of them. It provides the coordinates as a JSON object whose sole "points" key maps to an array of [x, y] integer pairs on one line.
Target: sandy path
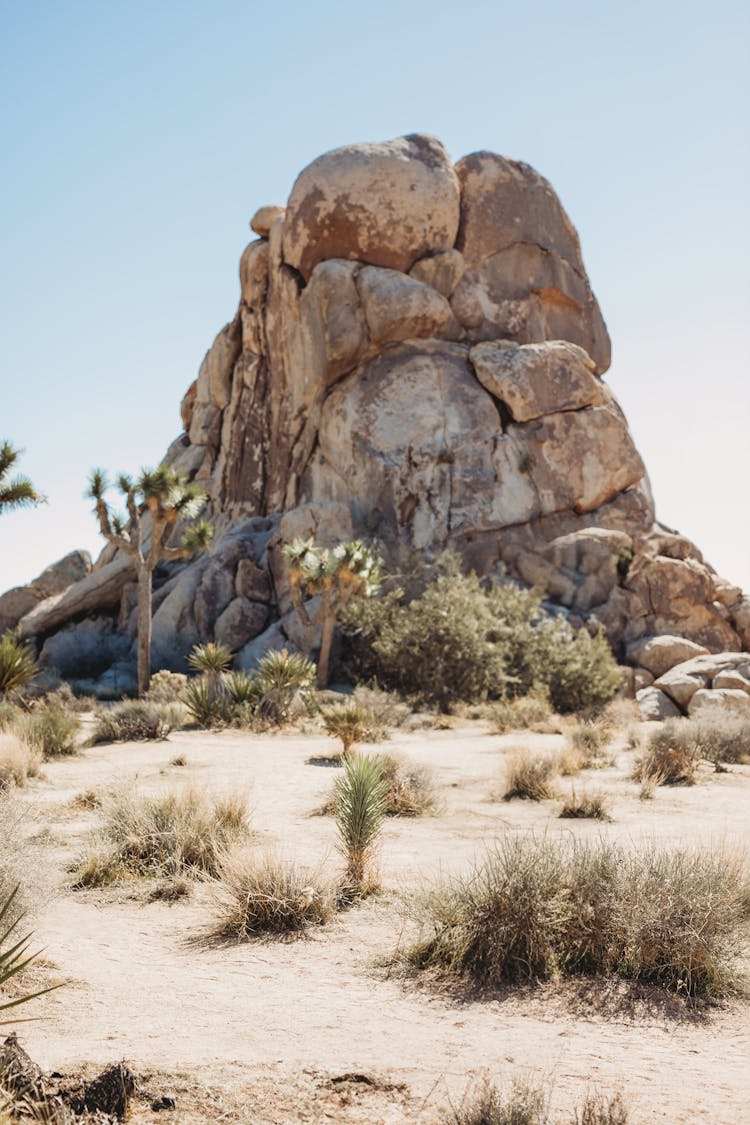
{"points": [[144, 991]]}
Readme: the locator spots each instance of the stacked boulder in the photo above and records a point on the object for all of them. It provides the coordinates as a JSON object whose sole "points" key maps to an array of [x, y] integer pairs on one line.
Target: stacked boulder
{"points": [[417, 357]]}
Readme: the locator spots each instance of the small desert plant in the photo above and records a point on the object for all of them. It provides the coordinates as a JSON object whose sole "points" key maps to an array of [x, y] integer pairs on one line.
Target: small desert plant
{"points": [[52, 731], [88, 799], [485, 1104], [598, 1109], [594, 806], [530, 776], [211, 659], [537, 907], [350, 722], [241, 688], [722, 736], [18, 666], [18, 761], [589, 740], [267, 893], [387, 710], [664, 762], [527, 711], [360, 804], [169, 835], [14, 951], [166, 687], [411, 786], [136, 721], [282, 678], [178, 760], [206, 707]]}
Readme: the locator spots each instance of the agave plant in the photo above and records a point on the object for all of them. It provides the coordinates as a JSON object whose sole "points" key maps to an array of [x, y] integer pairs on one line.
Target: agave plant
{"points": [[17, 664], [360, 804], [15, 957]]}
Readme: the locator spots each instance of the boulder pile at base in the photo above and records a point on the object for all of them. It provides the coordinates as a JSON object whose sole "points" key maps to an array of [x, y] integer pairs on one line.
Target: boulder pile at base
{"points": [[417, 358]]}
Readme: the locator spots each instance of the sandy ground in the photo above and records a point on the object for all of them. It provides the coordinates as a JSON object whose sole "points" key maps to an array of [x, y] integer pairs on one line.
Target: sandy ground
{"points": [[317, 1029]]}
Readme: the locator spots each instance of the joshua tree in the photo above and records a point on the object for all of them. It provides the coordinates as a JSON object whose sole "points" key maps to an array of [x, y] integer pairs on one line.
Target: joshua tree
{"points": [[336, 576], [156, 502], [18, 491]]}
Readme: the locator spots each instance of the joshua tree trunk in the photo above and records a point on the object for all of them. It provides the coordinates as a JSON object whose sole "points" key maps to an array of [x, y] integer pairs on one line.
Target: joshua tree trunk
{"points": [[327, 627], [144, 628]]}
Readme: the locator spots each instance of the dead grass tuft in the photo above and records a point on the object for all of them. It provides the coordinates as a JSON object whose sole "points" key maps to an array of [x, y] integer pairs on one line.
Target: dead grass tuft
{"points": [[267, 894], [594, 806], [530, 776], [18, 761]]}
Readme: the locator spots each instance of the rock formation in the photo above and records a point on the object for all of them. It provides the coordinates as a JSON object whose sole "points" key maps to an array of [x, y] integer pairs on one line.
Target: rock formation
{"points": [[417, 357]]}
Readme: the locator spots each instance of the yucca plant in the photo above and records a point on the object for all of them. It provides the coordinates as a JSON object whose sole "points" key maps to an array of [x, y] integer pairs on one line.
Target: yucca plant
{"points": [[211, 659], [15, 957], [18, 491], [360, 805], [350, 722], [205, 707], [17, 664], [281, 677], [243, 688]]}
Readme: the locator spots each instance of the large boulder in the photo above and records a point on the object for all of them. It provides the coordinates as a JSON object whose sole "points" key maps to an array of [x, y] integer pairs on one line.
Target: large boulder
{"points": [[386, 204], [55, 579]]}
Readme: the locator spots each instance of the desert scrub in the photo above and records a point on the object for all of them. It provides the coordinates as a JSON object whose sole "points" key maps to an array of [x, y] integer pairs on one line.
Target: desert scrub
{"points": [[50, 730], [136, 721], [721, 737], [462, 640], [591, 806], [269, 894], [665, 761], [523, 713], [387, 710], [523, 1103], [18, 761], [360, 803], [166, 687], [539, 907], [410, 787], [169, 835], [587, 742], [530, 776]]}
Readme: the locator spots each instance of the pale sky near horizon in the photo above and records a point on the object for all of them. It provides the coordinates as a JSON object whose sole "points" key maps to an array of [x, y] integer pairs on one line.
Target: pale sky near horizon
{"points": [[138, 138]]}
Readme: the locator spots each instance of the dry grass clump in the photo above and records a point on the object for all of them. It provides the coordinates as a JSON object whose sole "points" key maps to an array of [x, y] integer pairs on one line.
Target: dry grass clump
{"points": [[536, 908], [588, 741], [411, 786], [530, 776], [594, 806], [719, 737], [268, 894], [665, 762], [527, 1103], [50, 730], [528, 712], [137, 721], [18, 761], [169, 835], [389, 712]]}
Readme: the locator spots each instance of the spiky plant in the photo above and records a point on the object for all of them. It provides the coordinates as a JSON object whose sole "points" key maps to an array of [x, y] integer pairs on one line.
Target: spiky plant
{"points": [[281, 677], [360, 805], [211, 659], [17, 491], [205, 706], [243, 688], [336, 575], [156, 503], [18, 666], [14, 953], [350, 722]]}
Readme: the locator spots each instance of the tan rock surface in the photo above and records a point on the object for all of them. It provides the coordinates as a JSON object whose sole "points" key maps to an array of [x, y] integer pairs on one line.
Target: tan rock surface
{"points": [[536, 379]]}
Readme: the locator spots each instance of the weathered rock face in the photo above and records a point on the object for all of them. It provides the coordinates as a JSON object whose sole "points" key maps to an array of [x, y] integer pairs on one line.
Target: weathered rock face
{"points": [[416, 356]]}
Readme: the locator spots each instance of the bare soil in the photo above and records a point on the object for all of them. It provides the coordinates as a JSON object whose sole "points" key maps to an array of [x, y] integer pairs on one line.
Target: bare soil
{"points": [[320, 1029]]}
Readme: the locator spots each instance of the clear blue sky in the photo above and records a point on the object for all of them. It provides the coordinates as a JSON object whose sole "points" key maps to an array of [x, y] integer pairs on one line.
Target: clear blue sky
{"points": [[138, 139]]}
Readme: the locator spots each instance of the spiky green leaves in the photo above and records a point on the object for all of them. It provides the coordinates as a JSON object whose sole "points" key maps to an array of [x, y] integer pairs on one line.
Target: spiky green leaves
{"points": [[14, 953], [17, 664], [197, 537], [18, 491], [349, 568], [360, 805]]}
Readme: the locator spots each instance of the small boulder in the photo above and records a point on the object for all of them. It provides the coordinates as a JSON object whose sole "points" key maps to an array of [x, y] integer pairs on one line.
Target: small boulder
{"points": [[264, 218], [655, 705], [659, 654], [715, 698]]}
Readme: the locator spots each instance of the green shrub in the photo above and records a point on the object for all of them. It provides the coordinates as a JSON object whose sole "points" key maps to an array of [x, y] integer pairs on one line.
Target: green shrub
{"points": [[50, 730], [206, 707], [522, 713], [266, 893], [538, 907], [461, 640], [241, 688], [350, 722], [283, 678], [210, 659], [167, 835], [18, 666], [136, 721]]}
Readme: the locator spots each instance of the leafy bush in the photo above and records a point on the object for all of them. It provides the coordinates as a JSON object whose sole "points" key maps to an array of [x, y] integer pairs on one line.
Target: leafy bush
{"points": [[530, 776], [462, 641], [594, 806], [268, 894], [167, 835], [50, 730], [166, 687], [537, 907], [136, 721], [18, 666], [360, 803]]}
